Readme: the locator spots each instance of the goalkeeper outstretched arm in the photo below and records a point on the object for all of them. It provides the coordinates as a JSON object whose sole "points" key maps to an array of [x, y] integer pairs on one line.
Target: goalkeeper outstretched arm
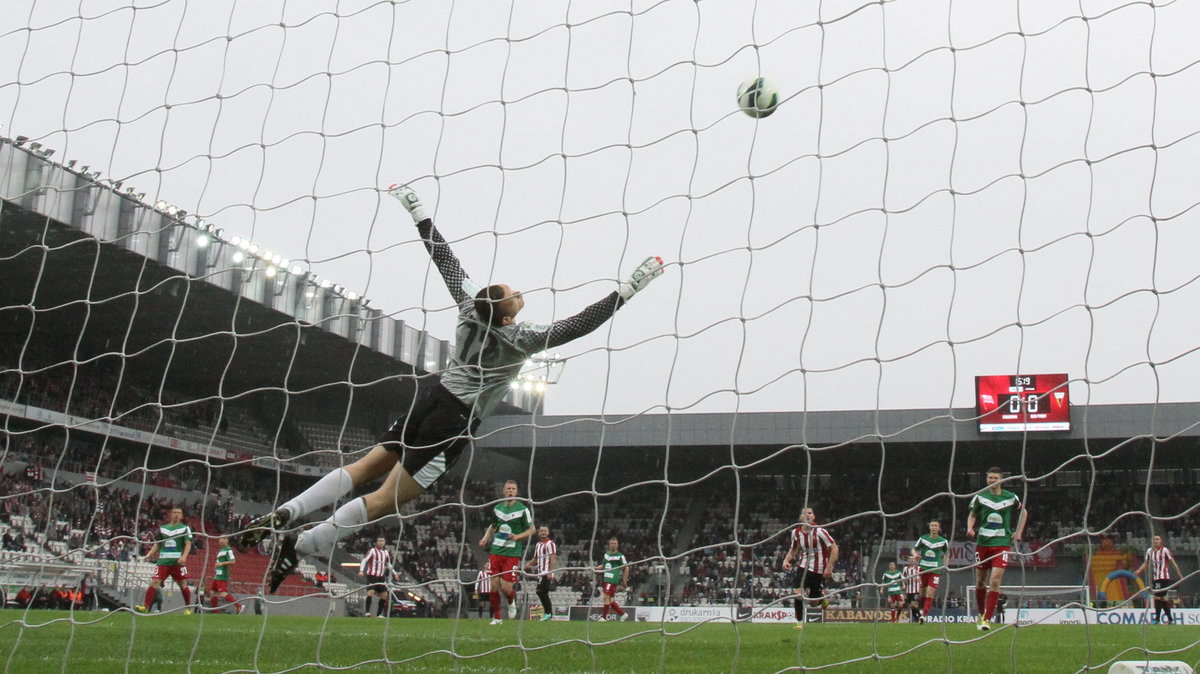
{"points": [[439, 251]]}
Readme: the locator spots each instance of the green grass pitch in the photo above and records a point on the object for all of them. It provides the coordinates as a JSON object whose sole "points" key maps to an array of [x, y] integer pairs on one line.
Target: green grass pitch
{"points": [[44, 641]]}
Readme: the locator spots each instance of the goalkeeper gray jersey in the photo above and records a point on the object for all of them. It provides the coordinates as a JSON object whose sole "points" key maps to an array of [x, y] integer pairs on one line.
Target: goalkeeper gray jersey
{"points": [[487, 358]]}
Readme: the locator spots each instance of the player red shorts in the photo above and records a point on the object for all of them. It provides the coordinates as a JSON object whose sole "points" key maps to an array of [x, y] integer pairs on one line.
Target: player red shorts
{"points": [[504, 566], [165, 571], [896, 598], [931, 580], [609, 589], [219, 587], [992, 557]]}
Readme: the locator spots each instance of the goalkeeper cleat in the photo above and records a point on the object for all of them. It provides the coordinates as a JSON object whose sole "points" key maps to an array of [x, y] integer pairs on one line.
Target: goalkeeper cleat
{"points": [[546, 617], [187, 611], [496, 621], [140, 609], [799, 626], [512, 611], [409, 199], [283, 562], [260, 528], [983, 625]]}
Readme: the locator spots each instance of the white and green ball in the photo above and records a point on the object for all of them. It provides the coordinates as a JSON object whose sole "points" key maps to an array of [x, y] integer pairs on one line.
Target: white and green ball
{"points": [[758, 97]]}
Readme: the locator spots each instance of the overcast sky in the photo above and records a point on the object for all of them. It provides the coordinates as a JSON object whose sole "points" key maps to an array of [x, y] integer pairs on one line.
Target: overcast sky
{"points": [[910, 217]]}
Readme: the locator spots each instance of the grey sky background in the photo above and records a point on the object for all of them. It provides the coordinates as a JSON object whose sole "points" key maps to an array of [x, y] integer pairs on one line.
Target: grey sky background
{"points": [[1031, 210]]}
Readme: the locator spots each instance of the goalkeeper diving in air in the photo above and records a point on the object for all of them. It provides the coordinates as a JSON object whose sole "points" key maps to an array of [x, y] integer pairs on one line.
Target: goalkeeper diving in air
{"points": [[490, 349]]}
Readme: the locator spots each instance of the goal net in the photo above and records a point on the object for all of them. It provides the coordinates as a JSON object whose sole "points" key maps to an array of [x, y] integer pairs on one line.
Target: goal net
{"points": [[964, 238]]}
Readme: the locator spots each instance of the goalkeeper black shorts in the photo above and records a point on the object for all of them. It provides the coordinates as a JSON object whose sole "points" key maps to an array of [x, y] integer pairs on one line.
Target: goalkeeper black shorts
{"points": [[434, 433]]}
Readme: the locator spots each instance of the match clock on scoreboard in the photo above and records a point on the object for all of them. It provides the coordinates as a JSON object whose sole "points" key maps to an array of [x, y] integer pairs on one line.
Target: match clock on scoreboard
{"points": [[1022, 402]]}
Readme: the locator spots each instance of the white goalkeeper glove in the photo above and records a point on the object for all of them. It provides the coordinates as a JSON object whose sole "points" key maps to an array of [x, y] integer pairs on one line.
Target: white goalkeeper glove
{"points": [[650, 269], [412, 203]]}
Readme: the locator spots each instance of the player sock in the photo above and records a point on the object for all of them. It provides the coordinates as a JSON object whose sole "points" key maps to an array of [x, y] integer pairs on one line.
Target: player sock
{"points": [[494, 599], [367, 605], [348, 519], [992, 597], [187, 596], [151, 592], [980, 598], [511, 597], [215, 601], [1167, 610], [326, 490], [801, 610], [617, 607], [914, 613], [928, 605]]}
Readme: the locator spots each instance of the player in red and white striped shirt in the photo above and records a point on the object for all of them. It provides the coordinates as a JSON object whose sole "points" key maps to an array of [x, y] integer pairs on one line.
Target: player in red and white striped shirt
{"points": [[545, 557], [1157, 557], [817, 554], [376, 565], [910, 577]]}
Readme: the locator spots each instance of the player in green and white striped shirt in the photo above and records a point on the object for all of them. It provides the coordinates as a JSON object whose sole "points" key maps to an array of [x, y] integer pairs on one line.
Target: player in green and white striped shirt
{"points": [[616, 576], [171, 548], [993, 510], [512, 525], [895, 592], [928, 552], [220, 584]]}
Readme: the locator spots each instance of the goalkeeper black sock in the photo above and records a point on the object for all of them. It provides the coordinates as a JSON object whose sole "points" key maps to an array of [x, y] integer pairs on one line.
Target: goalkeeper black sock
{"points": [[799, 610], [367, 606]]}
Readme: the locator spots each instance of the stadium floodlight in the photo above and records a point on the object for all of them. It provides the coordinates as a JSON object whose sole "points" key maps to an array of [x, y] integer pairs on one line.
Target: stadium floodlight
{"points": [[296, 270], [310, 293], [515, 385], [172, 210], [140, 196], [159, 205], [270, 272], [118, 184], [252, 249], [364, 302], [238, 257], [352, 296], [35, 146], [527, 386], [71, 164], [325, 283], [236, 241], [48, 152], [181, 214], [94, 175], [202, 241], [84, 169], [21, 140]]}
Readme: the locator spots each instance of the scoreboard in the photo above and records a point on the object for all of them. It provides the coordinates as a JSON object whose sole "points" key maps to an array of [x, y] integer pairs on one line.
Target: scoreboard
{"points": [[1022, 402]]}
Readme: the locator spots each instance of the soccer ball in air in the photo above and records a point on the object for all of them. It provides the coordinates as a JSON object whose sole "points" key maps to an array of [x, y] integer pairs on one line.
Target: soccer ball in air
{"points": [[758, 97]]}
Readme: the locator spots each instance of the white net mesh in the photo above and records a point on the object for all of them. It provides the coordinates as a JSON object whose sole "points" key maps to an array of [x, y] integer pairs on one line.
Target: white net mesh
{"points": [[948, 189]]}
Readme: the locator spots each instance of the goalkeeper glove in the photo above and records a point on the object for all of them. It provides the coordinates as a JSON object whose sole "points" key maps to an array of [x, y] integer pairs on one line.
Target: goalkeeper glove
{"points": [[410, 200], [648, 270]]}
